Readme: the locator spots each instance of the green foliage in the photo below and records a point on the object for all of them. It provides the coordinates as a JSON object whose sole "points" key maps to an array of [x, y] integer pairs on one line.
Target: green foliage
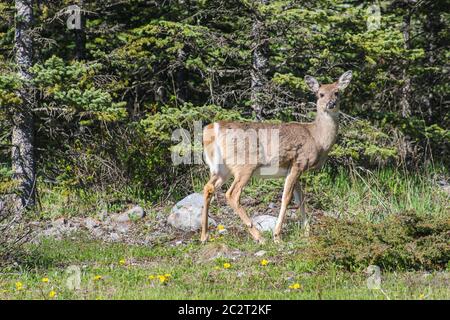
{"points": [[70, 89], [363, 143], [401, 242]]}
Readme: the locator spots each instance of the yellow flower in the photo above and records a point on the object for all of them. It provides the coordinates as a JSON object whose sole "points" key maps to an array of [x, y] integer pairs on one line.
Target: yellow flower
{"points": [[19, 285], [52, 294], [151, 277], [162, 278], [167, 275], [122, 261], [421, 296], [295, 286], [220, 227], [226, 265], [264, 262], [96, 278], [45, 280]]}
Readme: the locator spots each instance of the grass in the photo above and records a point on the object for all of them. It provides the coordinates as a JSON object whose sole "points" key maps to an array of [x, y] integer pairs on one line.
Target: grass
{"points": [[368, 197], [125, 271]]}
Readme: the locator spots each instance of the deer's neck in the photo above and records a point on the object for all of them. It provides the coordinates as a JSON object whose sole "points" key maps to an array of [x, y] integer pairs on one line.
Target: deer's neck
{"points": [[326, 127]]}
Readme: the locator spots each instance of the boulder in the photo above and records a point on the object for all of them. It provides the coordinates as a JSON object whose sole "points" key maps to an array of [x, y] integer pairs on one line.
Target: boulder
{"points": [[186, 214], [264, 222]]}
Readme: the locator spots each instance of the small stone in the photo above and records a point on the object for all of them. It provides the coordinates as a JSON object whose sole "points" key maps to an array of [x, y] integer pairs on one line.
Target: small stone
{"points": [[59, 222], [114, 236], [122, 227], [260, 253], [134, 213], [91, 223]]}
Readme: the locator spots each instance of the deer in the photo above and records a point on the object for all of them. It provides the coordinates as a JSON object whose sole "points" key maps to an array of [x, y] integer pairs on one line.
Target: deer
{"points": [[271, 150]]}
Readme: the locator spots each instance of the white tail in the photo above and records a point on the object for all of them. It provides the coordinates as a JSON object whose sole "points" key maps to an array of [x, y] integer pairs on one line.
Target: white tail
{"points": [[246, 149]]}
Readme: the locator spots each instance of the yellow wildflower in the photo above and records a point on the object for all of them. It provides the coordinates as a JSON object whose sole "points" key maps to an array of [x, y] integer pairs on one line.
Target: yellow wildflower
{"points": [[122, 261], [220, 227], [19, 285], [226, 265], [151, 277], [295, 286], [167, 275], [264, 262], [45, 280], [422, 296], [52, 294], [162, 278], [96, 278]]}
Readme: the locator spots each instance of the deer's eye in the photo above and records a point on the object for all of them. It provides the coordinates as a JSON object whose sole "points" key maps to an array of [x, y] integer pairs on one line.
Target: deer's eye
{"points": [[322, 95]]}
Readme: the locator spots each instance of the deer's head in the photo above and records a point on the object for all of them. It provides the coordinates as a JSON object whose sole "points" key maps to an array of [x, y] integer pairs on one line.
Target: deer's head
{"points": [[328, 94]]}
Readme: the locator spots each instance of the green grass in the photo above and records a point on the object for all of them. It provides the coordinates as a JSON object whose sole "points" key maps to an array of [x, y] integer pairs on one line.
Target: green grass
{"points": [[191, 279], [357, 194]]}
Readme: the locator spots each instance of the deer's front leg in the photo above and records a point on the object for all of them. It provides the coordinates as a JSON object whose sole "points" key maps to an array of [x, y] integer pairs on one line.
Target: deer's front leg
{"points": [[289, 186]]}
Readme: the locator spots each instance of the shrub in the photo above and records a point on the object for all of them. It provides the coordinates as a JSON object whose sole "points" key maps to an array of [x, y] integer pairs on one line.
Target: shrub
{"points": [[402, 241]]}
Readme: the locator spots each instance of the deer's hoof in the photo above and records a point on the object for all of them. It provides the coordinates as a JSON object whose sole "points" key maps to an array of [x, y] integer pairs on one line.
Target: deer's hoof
{"points": [[277, 239], [204, 238]]}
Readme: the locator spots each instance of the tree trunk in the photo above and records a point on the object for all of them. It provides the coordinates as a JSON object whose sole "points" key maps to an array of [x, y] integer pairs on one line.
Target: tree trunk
{"points": [[80, 36], [23, 161], [406, 88], [260, 62]]}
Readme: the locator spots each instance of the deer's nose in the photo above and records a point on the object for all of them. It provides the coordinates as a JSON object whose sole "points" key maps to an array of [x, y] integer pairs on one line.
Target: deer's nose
{"points": [[331, 104]]}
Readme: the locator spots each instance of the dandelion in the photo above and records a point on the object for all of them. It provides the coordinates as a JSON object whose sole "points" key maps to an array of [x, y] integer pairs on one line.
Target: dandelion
{"points": [[151, 277], [422, 296], [226, 265], [122, 262], [97, 278], [295, 286], [220, 227], [45, 280], [167, 275], [162, 278], [264, 262], [19, 285], [52, 294]]}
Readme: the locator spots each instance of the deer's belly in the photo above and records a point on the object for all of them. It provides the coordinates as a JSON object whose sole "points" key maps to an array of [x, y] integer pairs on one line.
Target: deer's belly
{"points": [[269, 172]]}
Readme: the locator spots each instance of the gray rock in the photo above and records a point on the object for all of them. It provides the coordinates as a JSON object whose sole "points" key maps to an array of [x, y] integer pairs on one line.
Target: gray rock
{"points": [[122, 227], [260, 253], [114, 236], [91, 223], [186, 214], [264, 222], [134, 213]]}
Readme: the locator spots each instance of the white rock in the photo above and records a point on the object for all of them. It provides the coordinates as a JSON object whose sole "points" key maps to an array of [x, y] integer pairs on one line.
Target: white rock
{"points": [[260, 253], [186, 214], [134, 213], [265, 222]]}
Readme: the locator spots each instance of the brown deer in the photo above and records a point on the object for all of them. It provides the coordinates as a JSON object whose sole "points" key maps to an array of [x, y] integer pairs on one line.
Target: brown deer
{"points": [[246, 149]]}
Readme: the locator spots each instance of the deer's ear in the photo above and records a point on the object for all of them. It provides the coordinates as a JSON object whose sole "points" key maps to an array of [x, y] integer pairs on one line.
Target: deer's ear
{"points": [[312, 83], [344, 80]]}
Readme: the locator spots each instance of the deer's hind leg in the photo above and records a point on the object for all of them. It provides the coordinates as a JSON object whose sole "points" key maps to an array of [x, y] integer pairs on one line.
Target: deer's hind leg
{"points": [[214, 183], [299, 200], [233, 196]]}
